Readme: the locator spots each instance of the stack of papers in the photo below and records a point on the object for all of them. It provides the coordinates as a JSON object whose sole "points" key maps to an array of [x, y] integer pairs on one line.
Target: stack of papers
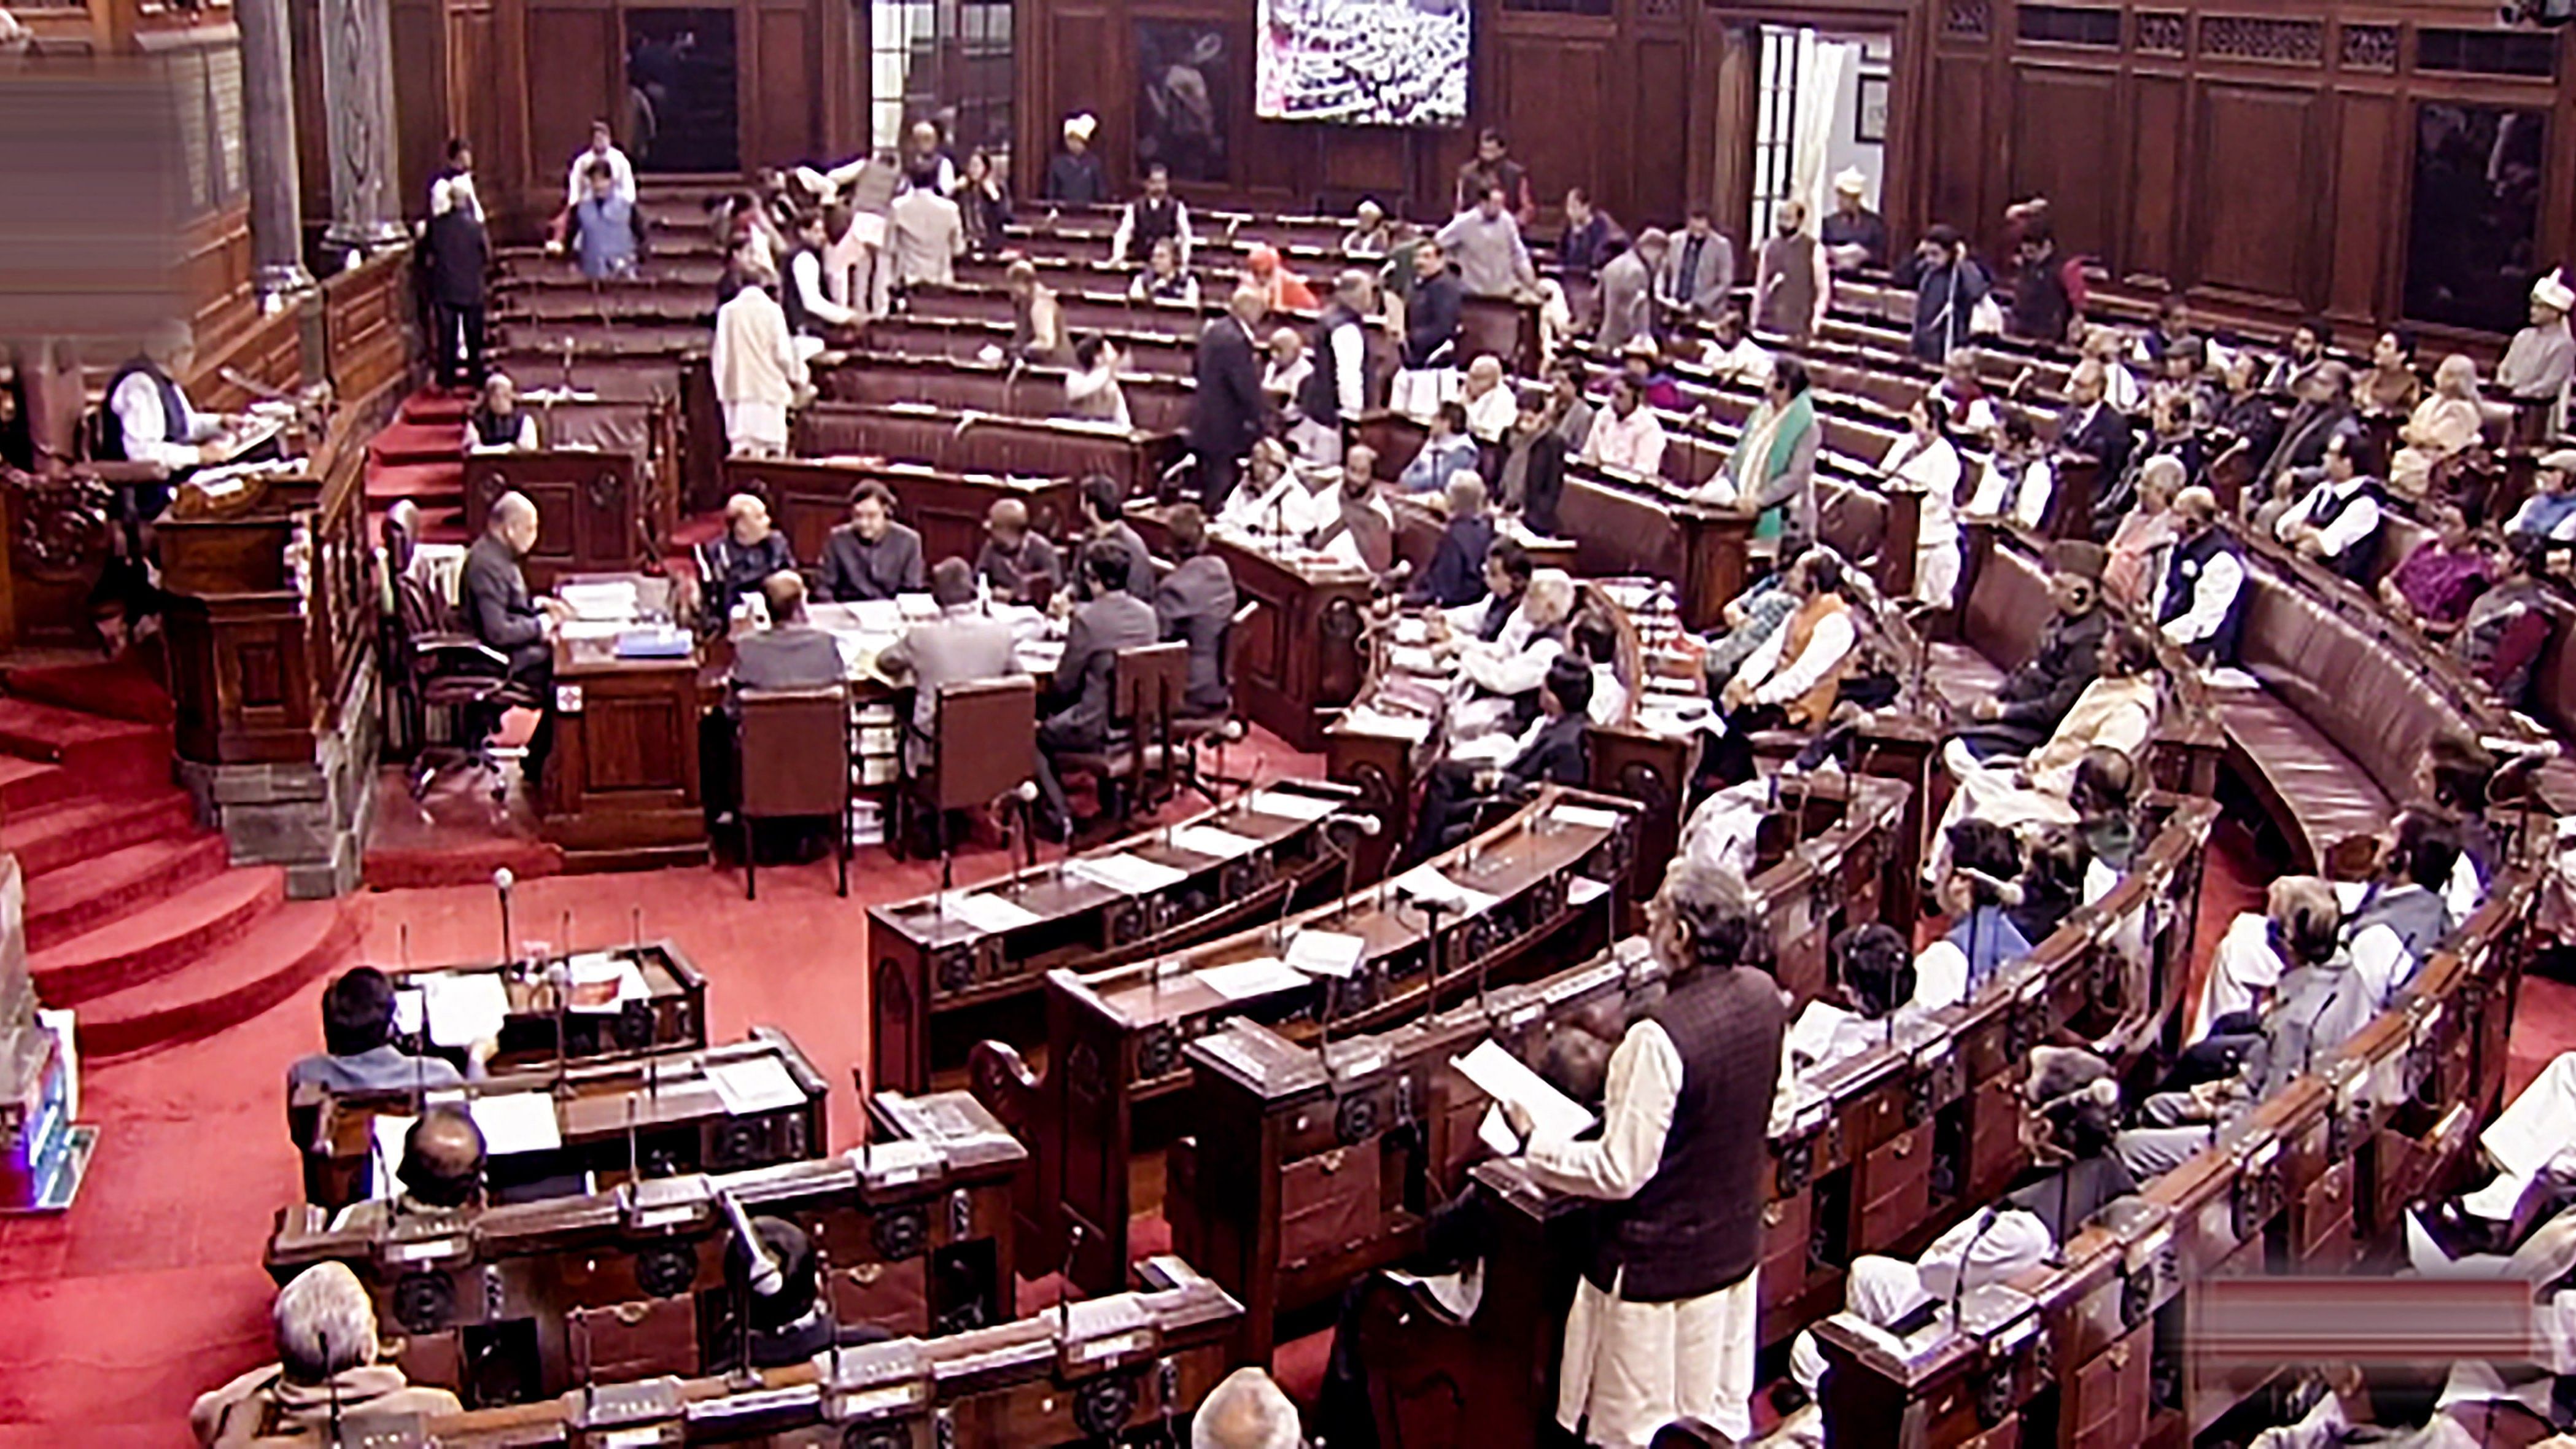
{"points": [[1362, 719], [1428, 885], [461, 1009], [1413, 660], [1500, 1075], [1585, 817], [1125, 873], [604, 982], [1209, 841], [986, 912], [609, 599], [1326, 953], [754, 1085], [1291, 807], [512, 1123], [1246, 980], [877, 616]]}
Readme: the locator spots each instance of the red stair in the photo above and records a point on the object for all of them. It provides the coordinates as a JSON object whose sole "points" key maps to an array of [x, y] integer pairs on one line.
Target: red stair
{"points": [[420, 456]]}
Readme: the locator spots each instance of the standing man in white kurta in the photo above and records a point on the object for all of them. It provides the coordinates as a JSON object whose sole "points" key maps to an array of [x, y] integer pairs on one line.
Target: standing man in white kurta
{"points": [[1663, 1325]]}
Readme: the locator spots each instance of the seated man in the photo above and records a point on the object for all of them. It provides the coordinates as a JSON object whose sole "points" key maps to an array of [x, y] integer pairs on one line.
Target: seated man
{"points": [[1016, 565], [2433, 587], [2299, 920], [2509, 624], [1113, 619], [441, 1171], [2025, 709], [1456, 575], [326, 1374], [2200, 604], [1628, 437], [961, 646], [1732, 353], [790, 653], [498, 424], [789, 1324], [1792, 677], [1355, 525], [1104, 524], [2055, 864], [2117, 711], [1749, 620], [1505, 573], [500, 613], [2549, 514], [1875, 970], [1497, 684], [2407, 891], [741, 557], [358, 1052], [1448, 449], [1488, 402], [2336, 520], [1984, 865], [871, 556], [1275, 498], [1195, 603], [1550, 749]]}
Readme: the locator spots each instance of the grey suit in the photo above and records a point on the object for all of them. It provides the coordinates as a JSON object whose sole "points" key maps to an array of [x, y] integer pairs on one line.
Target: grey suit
{"points": [[787, 656], [1195, 602], [929, 234], [1704, 289], [958, 648], [1083, 680], [1625, 294]]}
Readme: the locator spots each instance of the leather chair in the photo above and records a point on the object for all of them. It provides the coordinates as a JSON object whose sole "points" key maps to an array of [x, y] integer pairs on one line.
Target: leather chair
{"points": [[792, 760], [984, 747], [1222, 728], [443, 668], [1134, 769]]}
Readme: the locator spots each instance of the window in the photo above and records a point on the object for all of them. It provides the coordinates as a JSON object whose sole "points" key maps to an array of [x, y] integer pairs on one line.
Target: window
{"points": [[2475, 214], [1775, 122], [2488, 52], [944, 60], [2070, 25]]}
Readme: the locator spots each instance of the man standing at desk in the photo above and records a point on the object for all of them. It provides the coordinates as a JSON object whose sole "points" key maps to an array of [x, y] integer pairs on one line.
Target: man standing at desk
{"points": [[500, 613], [871, 556], [1227, 407], [1663, 1323], [1114, 619]]}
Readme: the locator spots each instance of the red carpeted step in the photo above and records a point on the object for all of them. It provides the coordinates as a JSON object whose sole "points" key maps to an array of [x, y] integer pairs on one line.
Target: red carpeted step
{"points": [[420, 482], [61, 904], [107, 754], [157, 940], [119, 688], [297, 942], [61, 835], [33, 784], [438, 409], [416, 443]]}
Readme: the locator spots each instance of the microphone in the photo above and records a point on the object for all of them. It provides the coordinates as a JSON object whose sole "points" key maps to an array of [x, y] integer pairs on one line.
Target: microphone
{"points": [[502, 880], [1959, 1285], [766, 1279], [1027, 795], [1365, 824]]}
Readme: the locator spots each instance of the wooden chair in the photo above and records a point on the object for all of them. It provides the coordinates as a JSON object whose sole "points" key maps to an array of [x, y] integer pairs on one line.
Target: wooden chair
{"points": [[792, 759], [1224, 727], [984, 746], [1135, 767]]}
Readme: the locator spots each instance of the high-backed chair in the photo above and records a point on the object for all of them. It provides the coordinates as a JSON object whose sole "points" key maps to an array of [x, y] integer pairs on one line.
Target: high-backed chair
{"points": [[984, 747], [446, 670], [1135, 767], [793, 761]]}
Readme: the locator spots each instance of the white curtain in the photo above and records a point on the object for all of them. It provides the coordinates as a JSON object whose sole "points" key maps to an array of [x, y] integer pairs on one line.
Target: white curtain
{"points": [[1820, 87]]}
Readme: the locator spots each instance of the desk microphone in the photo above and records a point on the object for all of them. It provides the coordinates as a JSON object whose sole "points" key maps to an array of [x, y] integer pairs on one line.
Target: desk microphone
{"points": [[1026, 793], [1367, 825], [1073, 1235], [1959, 1286], [501, 883]]}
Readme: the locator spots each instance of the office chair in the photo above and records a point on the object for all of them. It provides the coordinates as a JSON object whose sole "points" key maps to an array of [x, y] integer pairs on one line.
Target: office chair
{"points": [[444, 668], [1133, 769], [1222, 728]]}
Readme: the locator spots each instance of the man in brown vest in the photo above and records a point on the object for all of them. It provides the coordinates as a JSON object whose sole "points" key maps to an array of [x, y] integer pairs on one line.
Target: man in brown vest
{"points": [[1663, 1324]]}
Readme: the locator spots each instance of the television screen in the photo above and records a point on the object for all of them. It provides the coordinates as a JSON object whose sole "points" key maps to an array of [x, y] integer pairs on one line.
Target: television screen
{"points": [[1363, 62]]}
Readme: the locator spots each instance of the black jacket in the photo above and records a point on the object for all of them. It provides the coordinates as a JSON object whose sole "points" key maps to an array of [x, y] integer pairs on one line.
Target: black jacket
{"points": [[1456, 574], [855, 569], [457, 250], [2105, 437], [497, 607], [1557, 754], [1431, 322], [2041, 692], [1225, 417]]}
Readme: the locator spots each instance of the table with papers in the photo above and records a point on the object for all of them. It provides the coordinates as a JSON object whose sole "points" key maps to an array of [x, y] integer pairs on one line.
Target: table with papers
{"points": [[621, 1000]]}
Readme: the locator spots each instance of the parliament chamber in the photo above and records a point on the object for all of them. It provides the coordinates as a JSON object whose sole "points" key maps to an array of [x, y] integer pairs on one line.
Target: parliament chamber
{"points": [[1383, 726]]}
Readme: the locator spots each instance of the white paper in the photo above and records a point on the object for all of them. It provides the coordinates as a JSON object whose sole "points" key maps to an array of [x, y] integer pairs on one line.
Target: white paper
{"points": [[1410, 659], [593, 970], [916, 608], [409, 1002], [1426, 884], [1125, 873], [1327, 953], [1412, 629], [1812, 1035], [1583, 890], [1500, 1075], [985, 912], [1495, 1131], [754, 1084], [877, 616], [462, 1009], [1585, 817], [1291, 807], [517, 1122], [1208, 840], [613, 599], [1246, 980], [1363, 720], [578, 631], [388, 1134]]}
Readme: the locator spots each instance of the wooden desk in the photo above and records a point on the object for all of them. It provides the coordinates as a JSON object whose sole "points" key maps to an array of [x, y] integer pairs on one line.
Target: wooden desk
{"points": [[1119, 1038], [987, 443], [1298, 660], [671, 1017], [933, 971], [809, 497], [1157, 403], [621, 788], [903, 334], [597, 511], [657, 1111], [1096, 1372], [505, 1302]]}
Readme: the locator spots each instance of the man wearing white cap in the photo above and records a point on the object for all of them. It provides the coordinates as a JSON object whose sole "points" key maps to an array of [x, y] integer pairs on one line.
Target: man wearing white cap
{"points": [[2542, 358], [1075, 177], [1854, 236]]}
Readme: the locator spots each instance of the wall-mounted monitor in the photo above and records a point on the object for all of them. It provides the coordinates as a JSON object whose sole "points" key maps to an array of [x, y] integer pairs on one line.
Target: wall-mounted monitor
{"points": [[1363, 62]]}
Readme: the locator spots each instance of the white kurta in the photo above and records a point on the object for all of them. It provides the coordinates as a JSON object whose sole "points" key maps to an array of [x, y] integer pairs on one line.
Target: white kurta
{"points": [[1934, 468], [1632, 1368]]}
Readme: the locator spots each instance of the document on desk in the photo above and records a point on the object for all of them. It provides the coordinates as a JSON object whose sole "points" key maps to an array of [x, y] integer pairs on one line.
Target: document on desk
{"points": [[518, 1122], [1361, 719], [1583, 890], [609, 599], [753, 1085], [1289, 806], [877, 616], [410, 1009], [1811, 1036], [604, 981], [461, 1009], [1584, 817], [1216, 844], [1327, 953], [1413, 660], [1125, 873], [1249, 980], [1500, 1075], [1426, 884], [385, 1148], [985, 912]]}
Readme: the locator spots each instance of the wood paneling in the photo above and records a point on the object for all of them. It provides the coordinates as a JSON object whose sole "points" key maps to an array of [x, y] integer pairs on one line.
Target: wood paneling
{"points": [[575, 57], [1542, 81], [1657, 147], [421, 121], [2368, 146], [781, 102], [2156, 136], [2255, 235], [1955, 147], [2062, 127]]}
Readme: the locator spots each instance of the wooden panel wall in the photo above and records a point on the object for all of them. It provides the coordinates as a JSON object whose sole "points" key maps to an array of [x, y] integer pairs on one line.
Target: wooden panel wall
{"points": [[2257, 155]]}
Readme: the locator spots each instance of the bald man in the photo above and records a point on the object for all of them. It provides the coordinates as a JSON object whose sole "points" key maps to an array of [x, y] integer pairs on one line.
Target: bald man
{"points": [[747, 552], [499, 612], [1228, 410], [441, 1172], [1017, 564], [1246, 1411]]}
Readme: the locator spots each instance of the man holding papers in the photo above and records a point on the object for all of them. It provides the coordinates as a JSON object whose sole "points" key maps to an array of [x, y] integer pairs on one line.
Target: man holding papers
{"points": [[1663, 1325]]}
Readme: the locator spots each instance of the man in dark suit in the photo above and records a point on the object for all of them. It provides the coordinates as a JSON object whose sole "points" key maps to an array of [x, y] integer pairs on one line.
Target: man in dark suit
{"points": [[1104, 524], [2024, 710], [1195, 602], [499, 612], [741, 558], [790, 653], [2091, 430], [1114, 619], [1226, 415], [1456, 575], [871, 556], [457, 251], [1552, 750]]}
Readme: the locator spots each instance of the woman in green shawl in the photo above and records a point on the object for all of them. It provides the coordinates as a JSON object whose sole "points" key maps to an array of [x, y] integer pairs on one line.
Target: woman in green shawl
{"points": [[1773, 468]]}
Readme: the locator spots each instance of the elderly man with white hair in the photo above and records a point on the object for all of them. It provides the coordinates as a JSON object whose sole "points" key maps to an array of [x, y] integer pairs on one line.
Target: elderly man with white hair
{"points": [[1247, 1410], [1491, 406], [1496, 678], [500, 613], [759, 373], [736, 560], [326, 1370]]}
